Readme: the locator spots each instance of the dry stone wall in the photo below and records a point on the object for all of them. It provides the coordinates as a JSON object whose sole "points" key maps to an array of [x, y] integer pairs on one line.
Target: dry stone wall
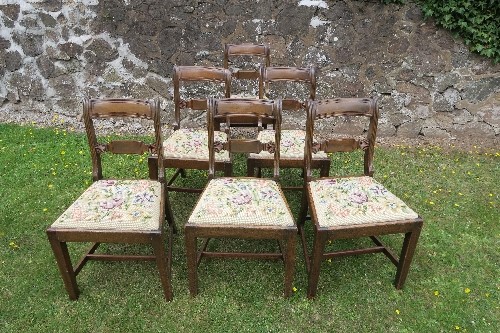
{"points": [[55, 52]]}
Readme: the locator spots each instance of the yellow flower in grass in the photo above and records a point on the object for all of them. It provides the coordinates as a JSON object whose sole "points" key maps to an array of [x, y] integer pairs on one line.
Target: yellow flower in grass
{"points": [[294, 289], [397, 311], [45, 209], [13, 245], [457, 327], [431, 203], [467, 290], [436, 292]]}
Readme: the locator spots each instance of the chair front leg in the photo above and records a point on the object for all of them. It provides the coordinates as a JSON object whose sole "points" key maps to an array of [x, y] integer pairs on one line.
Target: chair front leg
{"points": [[317, 258], [191, 252], [406, 256], [68, 275], [164, 263], [289, 262]]}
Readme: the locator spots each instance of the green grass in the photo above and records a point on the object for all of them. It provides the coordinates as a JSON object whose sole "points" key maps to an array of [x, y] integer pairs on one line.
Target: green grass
{"points": [[452, 286]]}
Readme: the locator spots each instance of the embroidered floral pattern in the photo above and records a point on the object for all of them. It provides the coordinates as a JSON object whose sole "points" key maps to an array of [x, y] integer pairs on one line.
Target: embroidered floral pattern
{"points": [[111, 204], [291, 147], [244, 201], [356, 200], [191, 143]]}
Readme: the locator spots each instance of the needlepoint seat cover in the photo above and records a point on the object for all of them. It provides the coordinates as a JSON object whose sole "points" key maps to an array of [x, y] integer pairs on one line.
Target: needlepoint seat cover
{"points": [[192, 143], [292, 145], [242, 201], [115, 204], [356, 200]]}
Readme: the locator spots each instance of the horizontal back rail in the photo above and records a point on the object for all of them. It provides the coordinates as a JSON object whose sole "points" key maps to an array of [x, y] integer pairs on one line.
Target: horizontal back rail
{"points": [[106, 108]]}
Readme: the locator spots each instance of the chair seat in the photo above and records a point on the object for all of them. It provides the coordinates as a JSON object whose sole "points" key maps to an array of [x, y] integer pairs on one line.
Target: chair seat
{"points": [[354, 201], [291, 147], [242, 201], [192, 143], [115, 205]]}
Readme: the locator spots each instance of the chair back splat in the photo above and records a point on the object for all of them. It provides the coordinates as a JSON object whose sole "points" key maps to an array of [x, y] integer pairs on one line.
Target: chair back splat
{"points": [[352, 206], [241, 207], [125, 211]]}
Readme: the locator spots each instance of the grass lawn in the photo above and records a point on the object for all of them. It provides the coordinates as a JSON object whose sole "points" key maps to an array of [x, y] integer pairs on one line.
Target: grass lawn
{"points": [[453, 284]]}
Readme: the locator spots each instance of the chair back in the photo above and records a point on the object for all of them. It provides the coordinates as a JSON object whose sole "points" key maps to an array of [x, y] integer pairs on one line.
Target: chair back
{"points": [[220, 77], [241, 57], [347, 108], [121, 108], [259, 111], [286, 75]]}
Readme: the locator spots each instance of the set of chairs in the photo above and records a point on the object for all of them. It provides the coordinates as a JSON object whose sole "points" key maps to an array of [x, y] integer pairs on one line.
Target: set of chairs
{"points": [[242, 207]]}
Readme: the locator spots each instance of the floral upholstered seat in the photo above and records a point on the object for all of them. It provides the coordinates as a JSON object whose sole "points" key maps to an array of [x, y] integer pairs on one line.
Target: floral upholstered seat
{"points": [[356, 200], [247, 201], [192, 143], [291, 147], [115, 204]]}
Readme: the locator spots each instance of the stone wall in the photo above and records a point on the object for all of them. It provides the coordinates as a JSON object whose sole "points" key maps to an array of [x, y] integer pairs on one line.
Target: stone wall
{"points": [[55, 52]]}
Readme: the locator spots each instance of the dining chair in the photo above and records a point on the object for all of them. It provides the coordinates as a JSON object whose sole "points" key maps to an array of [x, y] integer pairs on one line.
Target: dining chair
{"points": [[285, 83], [354, 206], [241, 207], [244, 61], [115, 210], [187, 147]]}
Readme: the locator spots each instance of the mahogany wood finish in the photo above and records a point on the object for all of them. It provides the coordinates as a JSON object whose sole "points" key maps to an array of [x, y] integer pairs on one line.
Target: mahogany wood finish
{"points": [[222, 111], [201, 75], [255, 50], [306, 76], [349, 108], [60, 236]]}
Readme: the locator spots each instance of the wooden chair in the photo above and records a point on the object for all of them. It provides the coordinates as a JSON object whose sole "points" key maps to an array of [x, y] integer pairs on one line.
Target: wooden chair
{"points": [[241, 207], [292, 140], [352, 207], [240, 58], [116, 210], [187, 148]]}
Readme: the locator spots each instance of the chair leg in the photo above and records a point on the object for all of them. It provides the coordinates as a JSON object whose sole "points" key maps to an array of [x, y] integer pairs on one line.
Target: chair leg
{"points": [[303, 207], [228, 169], [406, 256], [325, 169], [289, 262], [191, 251], [169, 214], [153, 167], [68, 275], [250, 168], [164, 263], [317, 258], [183, 173]]}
